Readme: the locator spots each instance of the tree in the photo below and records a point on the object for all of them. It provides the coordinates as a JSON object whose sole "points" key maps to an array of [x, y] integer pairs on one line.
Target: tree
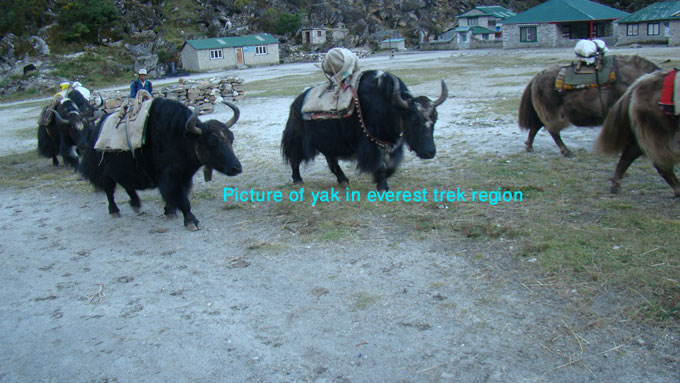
{"points": [[288, 23], [23, 16], [84, 20]]}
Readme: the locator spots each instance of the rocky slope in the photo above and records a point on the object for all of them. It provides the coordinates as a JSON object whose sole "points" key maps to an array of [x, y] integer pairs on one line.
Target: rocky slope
{"points": [[149, 33]]}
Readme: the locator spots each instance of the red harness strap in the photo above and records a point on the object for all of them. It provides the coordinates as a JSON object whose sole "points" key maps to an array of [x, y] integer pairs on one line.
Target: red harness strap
{"points": [[667, 90]]}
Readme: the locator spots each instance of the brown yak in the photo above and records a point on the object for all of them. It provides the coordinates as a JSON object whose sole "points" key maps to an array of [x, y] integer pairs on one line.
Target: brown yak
{"points": [[637, 125], [542, 106]]}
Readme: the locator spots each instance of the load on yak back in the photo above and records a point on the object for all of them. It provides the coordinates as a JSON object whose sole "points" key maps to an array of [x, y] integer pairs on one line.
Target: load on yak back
{"points": [[591, 53]]}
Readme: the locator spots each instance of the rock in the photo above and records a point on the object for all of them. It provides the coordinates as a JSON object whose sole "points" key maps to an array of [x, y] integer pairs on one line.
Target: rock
{"points": [[40, 45]]}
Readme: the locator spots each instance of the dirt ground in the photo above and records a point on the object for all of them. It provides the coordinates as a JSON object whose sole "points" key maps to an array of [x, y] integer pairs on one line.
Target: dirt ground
{"points": [[89, 298]]}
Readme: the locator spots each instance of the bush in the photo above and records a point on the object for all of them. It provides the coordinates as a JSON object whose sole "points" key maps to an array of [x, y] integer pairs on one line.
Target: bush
{"points": [[83, 20]]}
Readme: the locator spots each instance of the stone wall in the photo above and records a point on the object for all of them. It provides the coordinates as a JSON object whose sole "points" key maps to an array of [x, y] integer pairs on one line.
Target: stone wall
{"points": [[203, 94]]}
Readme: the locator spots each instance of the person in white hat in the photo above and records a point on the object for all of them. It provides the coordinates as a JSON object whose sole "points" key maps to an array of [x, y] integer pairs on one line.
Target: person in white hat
{"points": [[140, 83]]}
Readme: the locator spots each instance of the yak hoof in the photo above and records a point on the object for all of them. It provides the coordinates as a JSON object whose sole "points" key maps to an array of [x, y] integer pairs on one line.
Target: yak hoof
{"points": [[297, 182], [136, 209], [568, 153], [528, 148], [192, 226], [344, 183], [615, 189], [115, 214]]}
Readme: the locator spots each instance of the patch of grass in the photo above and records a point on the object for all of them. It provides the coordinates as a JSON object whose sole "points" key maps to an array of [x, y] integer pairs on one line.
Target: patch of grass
{"points": [[567, 220], [363, 301], [283, 86], [96, 68]]}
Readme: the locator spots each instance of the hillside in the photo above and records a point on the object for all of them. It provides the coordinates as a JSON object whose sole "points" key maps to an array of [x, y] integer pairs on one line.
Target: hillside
{"points": [[99, 42]]}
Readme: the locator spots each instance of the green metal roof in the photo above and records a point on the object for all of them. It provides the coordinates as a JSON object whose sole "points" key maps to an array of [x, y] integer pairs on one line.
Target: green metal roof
{"points": [[566, 10], [667, 10], [476, 30], [494, 11], [238, 41]]}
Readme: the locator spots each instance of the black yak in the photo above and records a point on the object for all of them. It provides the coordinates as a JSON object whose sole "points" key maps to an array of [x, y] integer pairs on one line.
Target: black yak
{"points": [[60, 136], [388, 115], [177, 144]]}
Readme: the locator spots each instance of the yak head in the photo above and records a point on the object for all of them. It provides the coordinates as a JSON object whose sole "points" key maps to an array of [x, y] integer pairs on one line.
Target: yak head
{"points": [[69, 118], [214, 145], [417, 117]]}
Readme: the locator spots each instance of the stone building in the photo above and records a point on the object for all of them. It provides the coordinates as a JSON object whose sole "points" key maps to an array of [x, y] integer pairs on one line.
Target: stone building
{"points": [[230, 52], [658, 23], [479, 27], [561, 23]]}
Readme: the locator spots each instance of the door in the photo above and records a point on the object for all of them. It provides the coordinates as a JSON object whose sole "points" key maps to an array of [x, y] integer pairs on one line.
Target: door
{"points": [[239, 56]]}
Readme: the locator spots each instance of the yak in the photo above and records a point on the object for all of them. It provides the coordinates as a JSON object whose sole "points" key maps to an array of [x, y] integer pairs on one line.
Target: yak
{"points": [[387, 115], [637, 125], [176, 145], [60, 136], [541, 105]]}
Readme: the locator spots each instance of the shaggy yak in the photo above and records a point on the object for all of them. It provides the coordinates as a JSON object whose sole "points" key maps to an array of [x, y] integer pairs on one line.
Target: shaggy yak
{"points": [[388, 115], [637, 125], [541, 105], [177, 144], [60, 136]]}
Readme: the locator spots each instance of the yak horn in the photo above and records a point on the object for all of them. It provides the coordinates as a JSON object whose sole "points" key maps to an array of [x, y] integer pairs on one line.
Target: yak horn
{"points": [[191, 122], [396, 94], [237, 113], [60, 119], [442, 96]]}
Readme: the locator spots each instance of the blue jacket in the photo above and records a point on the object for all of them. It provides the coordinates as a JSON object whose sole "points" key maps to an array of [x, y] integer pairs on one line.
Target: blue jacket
{"points": [[136, 86]]}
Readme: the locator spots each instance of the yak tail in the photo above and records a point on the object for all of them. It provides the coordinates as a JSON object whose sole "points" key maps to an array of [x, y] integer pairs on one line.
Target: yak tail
{"points": [[46, 145], [617, 130], [292, 145], [528, 118]]}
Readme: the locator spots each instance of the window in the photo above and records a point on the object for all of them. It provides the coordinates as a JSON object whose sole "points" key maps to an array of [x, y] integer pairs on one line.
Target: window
{"points": [[631, 30], [566, 31], [599, 30], [261, 50], [485, 36], [318, 33], [473, 21], [528, 34], [216, 54], [652, 29]]}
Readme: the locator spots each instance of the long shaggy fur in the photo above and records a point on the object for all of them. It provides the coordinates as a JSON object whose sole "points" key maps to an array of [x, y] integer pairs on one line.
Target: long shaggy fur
{"points": [[528, 118], [616, 133]]}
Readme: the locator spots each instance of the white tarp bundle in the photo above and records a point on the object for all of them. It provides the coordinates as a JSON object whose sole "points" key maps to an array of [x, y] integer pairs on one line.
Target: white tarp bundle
{"points": [[588, 51], [339, 63]]}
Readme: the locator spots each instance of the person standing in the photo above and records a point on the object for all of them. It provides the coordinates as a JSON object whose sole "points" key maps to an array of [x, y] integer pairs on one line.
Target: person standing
{"points": [[140, 83]]}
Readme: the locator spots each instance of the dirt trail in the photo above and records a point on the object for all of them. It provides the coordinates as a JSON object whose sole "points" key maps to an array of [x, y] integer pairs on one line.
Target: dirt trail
{"points": [[88, 298]]}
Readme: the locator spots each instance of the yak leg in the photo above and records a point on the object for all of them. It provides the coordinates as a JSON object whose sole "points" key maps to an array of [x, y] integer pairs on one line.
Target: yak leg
{"points": [[393, 161], [110, 189], [335, 169], [295, 166], [176, 196], [55, 161], [67, 155], [670, 178], [563, 148], [529, 143], [630, 154], [135, 202], [380, 177]]}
